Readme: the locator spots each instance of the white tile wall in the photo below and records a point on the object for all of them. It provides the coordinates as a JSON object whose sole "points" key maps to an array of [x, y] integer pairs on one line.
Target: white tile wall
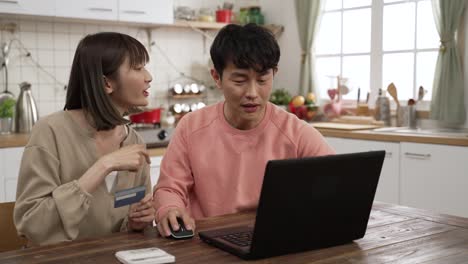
{"points": [[52, 44]]}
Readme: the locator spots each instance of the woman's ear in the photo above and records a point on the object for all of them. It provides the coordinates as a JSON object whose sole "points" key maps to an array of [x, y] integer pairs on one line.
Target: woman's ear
{"points": [[108, 85], [216, 77]]}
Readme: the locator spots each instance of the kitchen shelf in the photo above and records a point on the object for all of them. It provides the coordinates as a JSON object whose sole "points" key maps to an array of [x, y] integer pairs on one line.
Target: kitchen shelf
{"points": [[187, 96], [275, 29], [198, 24]]}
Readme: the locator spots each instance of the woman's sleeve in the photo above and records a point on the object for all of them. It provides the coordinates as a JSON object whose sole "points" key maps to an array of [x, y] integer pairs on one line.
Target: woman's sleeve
{"points": [[47, 210]]}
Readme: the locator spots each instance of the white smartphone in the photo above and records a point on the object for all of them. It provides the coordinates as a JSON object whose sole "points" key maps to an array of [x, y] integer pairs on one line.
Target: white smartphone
{"points": [[144, 256]]}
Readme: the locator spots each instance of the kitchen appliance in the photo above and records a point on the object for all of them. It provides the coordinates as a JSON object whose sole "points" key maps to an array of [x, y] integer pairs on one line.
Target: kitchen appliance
{"points": [[151, 116], [153, 135], [26, 114]]}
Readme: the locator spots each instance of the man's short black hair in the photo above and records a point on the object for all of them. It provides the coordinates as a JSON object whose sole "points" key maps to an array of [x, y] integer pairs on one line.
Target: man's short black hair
{"points": [[247, 47]]}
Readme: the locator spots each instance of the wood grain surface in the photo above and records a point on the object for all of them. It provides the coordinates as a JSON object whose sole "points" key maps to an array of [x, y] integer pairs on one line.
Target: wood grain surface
{"points": [[395, 234]]}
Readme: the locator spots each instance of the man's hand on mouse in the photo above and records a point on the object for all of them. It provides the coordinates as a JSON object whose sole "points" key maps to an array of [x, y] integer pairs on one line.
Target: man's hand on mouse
{"points": [[171, 218]]}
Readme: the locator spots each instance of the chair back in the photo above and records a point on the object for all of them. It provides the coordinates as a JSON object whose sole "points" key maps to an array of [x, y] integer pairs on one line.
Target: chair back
{"points": [[10, 239]]}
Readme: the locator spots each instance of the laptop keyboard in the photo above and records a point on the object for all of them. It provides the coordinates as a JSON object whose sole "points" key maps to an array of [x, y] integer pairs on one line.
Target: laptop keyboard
{"points": [[241, 239]]}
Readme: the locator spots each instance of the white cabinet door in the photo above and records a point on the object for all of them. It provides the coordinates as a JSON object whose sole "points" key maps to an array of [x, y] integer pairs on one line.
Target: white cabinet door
{"points": [[11, 163], [155, 168], [435, 177], [89, 9], [28, 7], [148, 11], [388, 188]]}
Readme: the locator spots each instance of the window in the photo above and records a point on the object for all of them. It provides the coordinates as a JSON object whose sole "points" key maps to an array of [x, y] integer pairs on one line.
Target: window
{"points": [[376, 42]]}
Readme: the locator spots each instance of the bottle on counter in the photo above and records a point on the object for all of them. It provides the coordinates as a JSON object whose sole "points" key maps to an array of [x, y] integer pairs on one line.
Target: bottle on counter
{"points": [[382, 108]]}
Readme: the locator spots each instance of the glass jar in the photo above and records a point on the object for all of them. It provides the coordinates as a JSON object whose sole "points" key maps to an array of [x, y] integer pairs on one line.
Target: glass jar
{"points": [[206, 15], [255, 16], [242, 17]]}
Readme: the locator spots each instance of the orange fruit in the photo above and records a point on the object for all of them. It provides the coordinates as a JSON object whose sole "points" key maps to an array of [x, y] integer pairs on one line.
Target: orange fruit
{"points": [[298, 100], [310, 97]]}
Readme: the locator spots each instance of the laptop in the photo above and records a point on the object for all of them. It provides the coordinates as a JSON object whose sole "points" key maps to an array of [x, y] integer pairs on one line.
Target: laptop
{"points": [[306, 204]]}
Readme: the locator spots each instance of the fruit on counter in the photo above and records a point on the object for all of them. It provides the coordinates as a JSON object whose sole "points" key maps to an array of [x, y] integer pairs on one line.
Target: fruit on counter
{"points": [[310, 98], [298, 100]]}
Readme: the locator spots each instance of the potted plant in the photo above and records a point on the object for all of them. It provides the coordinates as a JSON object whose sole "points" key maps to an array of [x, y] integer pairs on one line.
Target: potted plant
{"points": [[280, 97], [7, 109]]}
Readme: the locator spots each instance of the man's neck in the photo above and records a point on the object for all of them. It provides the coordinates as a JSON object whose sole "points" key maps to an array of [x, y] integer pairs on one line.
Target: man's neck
{"points": [[239, 123]]}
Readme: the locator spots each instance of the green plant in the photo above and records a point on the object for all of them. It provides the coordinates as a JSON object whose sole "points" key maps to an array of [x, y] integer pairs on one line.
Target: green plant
{"points": [[7, 108], [280, 97]]}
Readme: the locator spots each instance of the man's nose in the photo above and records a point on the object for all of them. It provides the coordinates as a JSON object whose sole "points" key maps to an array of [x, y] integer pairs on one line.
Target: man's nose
{"points": [[251, 90]]}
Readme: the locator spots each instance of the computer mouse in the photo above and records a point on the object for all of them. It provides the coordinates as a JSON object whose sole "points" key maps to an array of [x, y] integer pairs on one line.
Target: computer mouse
{"points": [[182, 233]]}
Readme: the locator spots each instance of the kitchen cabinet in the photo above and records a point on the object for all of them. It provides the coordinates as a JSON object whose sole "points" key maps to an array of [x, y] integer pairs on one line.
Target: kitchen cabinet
{"points": [[146, 11], [388, 187], [155, 169], [10, 161], [28, 7], [88, 9], [435, 177]]}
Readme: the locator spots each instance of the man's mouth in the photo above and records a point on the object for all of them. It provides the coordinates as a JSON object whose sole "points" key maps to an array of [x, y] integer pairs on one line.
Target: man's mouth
{"points": [[250, 108]]}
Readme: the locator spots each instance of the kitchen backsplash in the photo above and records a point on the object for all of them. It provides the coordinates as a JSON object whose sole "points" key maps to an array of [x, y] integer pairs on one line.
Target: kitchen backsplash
{"points": [[52, 44]]}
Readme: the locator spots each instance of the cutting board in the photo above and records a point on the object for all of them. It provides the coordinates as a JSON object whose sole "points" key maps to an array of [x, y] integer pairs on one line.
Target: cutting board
{"points": [[340, 126]]}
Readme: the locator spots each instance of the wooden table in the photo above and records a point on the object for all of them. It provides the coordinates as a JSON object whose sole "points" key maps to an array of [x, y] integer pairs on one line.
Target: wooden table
{"points": [[395, 234]]}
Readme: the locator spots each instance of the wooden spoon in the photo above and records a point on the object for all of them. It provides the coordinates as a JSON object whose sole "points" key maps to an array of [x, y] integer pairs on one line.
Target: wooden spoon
{"points": [[391, 89]]}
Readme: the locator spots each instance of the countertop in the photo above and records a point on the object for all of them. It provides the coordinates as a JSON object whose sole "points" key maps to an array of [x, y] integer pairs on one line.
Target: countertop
{"points": [[20, 140], [394, 234], [395, 137]]}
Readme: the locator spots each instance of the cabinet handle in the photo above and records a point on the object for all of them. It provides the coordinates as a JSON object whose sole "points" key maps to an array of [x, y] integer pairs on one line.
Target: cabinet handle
{"points": [[135, 12], [9, 1], [100, 9], [417, 155]]}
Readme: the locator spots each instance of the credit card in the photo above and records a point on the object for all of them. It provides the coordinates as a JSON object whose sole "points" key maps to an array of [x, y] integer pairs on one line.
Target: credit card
{"points": [[129, 196]]}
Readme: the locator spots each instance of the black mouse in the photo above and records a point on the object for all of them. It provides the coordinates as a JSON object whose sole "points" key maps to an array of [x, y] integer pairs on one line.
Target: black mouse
{"points": [[182, 233]]}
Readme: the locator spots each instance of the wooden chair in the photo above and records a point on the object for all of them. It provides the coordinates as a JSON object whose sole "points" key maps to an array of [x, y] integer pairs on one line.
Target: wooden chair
{"points": [[10, 239]]}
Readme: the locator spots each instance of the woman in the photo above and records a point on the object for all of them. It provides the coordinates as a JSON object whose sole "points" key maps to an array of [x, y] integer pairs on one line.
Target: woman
{"points": [[78, 158]]}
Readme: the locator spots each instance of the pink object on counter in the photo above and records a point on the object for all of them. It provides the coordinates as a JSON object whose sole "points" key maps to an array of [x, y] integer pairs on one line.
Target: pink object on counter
{"points": [[211, 168]]}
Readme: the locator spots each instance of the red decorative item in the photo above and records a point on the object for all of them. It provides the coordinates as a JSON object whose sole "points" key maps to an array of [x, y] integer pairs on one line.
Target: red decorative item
{"points": [[151, 116], [223, 15]]}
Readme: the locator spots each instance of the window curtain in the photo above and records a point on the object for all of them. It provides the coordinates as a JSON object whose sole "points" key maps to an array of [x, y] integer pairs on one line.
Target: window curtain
{"points": [[308, 19], [448, 88]]}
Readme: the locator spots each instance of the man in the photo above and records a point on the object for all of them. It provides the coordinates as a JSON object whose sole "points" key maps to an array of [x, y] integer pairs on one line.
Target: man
{"points": [[216, 159]]}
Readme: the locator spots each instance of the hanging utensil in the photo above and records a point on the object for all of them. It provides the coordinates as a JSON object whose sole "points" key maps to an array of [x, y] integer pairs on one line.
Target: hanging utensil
{"points": [[391, 89], [5, 48], [421, 93]]}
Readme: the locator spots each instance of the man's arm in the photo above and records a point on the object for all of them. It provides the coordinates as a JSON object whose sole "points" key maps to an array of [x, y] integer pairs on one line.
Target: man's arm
{"points": [[175, 181], [311, 143]]}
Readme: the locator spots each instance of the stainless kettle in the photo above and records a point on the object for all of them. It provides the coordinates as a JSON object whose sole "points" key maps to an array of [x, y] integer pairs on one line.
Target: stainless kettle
{"points": [[26, 114]]}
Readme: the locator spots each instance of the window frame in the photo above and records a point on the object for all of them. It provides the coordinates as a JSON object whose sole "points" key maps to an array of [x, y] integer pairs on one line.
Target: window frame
{"points": [[377, 53]]}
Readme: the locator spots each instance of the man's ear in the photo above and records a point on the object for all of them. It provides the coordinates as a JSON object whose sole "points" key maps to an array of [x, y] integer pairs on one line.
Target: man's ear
{"points": [[216, 77], [108, 85]]}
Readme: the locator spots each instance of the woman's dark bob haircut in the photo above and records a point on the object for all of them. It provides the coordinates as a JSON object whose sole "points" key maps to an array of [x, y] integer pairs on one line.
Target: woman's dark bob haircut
{"points": [[97, 56]]}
